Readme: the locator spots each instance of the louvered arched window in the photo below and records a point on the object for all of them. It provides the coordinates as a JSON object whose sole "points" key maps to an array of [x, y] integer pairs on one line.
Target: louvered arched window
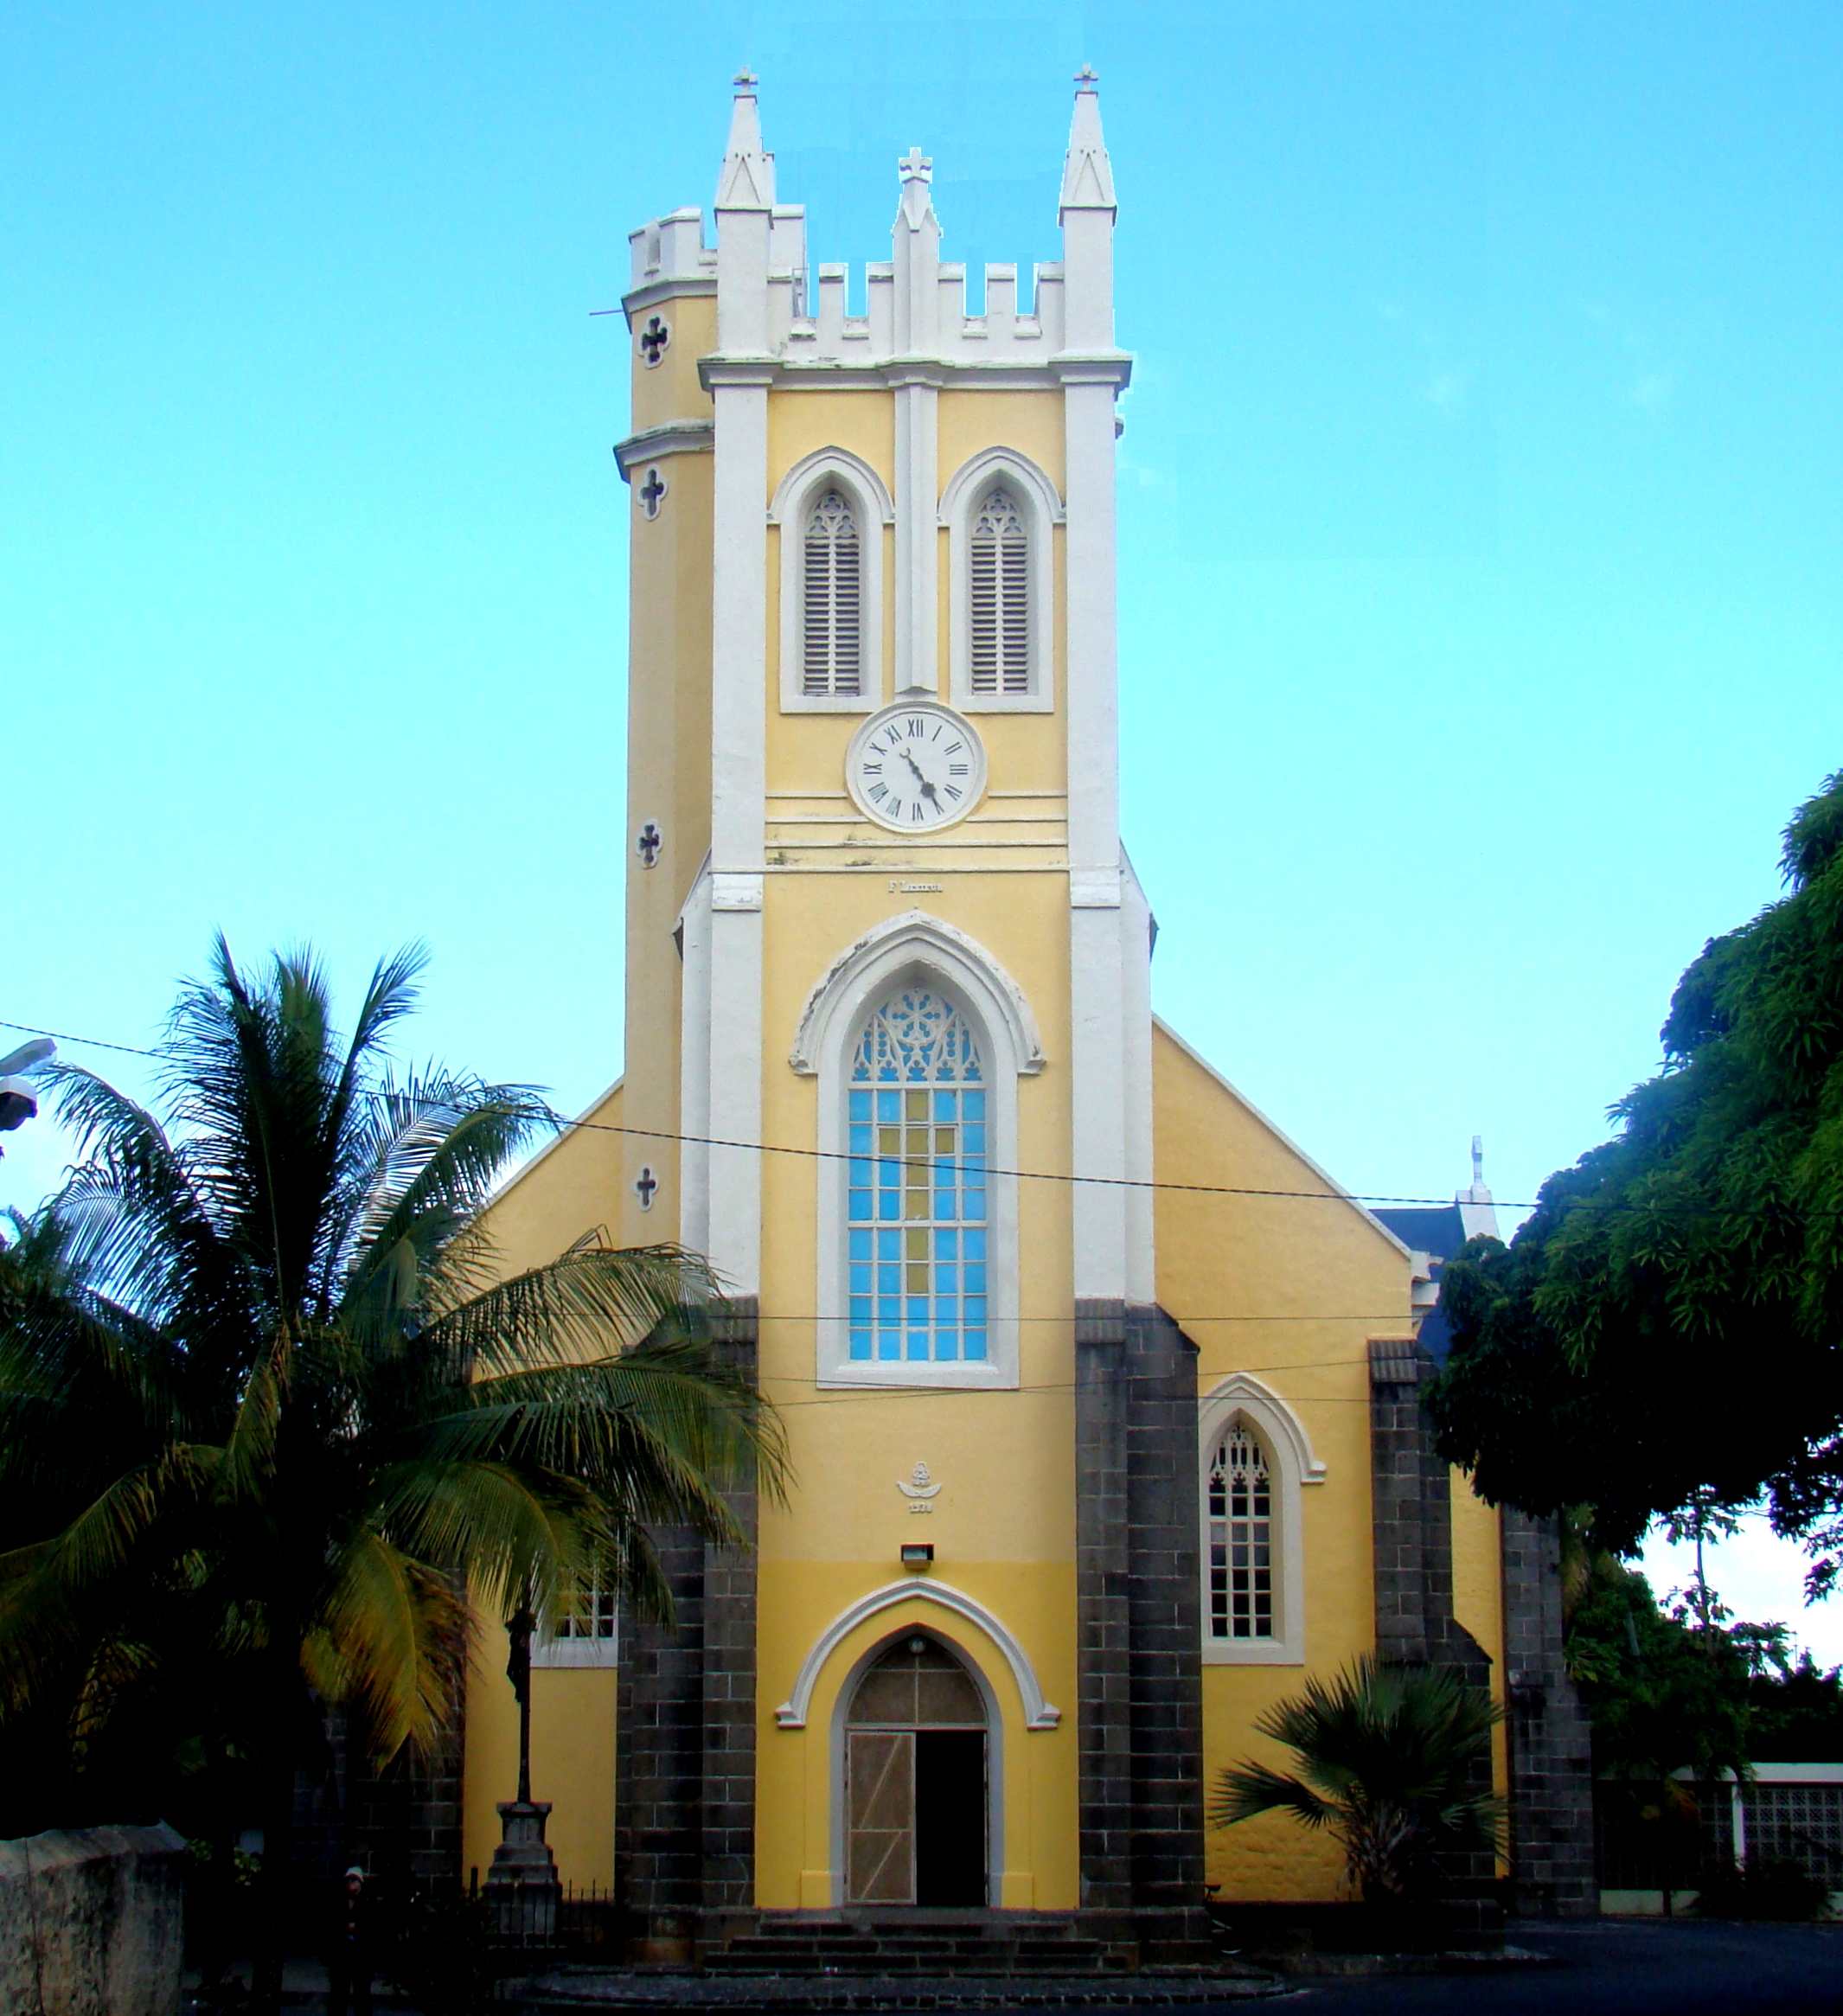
{"points": [[1240, 1538], [832, 600], [999, 614]]}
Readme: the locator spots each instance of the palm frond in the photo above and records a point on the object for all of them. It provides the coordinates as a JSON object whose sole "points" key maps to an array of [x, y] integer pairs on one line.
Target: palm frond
{"points": [[1244, 1791]]}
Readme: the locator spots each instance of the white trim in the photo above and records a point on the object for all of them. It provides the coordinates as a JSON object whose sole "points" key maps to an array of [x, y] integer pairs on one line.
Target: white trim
{"points": [[916, 948], [828, 469], [918, 544], [912, 931], [1241, 1395], [995, 1736], [1038, 1712], [676, 437], [1335, 1191], [1037, 498]]}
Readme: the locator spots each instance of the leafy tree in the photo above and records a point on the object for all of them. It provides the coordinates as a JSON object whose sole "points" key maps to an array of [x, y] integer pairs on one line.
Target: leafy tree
{"points": [[268, 1414], [1393, 1762], [1703, 1243]]}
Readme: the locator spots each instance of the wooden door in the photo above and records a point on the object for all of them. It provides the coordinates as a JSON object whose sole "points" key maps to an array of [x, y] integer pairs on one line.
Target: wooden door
{"points": [[879, 1816]]}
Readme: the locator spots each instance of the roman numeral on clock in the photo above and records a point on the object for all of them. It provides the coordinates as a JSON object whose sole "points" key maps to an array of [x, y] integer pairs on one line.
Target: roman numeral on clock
{"points": [[915, 811], [956, 769], [880, 792], [873, 770]]}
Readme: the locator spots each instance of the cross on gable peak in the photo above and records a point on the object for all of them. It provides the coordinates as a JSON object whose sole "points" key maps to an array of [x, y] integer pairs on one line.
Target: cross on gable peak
{"points": [[744, 81], [1087, 78], [915, 166]]}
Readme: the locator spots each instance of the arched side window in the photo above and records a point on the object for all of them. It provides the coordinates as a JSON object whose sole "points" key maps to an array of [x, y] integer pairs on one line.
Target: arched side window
{"points": [[917, 1038], [1256, 1458], [832, 601], [1001, 511], [831, 508]]}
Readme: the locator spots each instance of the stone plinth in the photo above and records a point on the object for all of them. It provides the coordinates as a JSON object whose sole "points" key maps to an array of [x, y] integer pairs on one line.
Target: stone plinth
{"points": [[522, 1886]]}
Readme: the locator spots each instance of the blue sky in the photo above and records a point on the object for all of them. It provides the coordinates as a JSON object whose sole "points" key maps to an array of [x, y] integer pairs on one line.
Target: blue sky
{"points": [[1481, 610]]}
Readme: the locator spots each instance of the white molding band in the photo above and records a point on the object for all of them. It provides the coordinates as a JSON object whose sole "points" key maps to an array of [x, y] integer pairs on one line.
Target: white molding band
{"points": [[990, 461], [1038, 1712], [914, 935], [674, 438], [791, 490]]}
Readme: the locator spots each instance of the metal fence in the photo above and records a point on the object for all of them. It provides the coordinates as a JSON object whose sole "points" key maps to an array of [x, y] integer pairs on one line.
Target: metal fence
{"points": [[1676, 1834]]}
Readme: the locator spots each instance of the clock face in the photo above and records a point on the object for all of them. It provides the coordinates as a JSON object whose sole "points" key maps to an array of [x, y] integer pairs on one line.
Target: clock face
{"points": [[915, 766]]}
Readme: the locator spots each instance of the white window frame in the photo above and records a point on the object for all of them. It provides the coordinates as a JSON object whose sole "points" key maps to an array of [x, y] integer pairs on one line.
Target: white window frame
{"points": [[1041, 509], [547, 1650], [916, 949], [1292, 1466], [831, 469]]}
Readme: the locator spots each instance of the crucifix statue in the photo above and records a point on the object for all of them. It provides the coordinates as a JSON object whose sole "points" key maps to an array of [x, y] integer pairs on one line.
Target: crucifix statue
{"points": [[519, 1627]]}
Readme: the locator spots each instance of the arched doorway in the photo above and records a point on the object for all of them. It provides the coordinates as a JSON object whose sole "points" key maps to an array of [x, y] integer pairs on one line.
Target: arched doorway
{"points": [[918, 1799]]}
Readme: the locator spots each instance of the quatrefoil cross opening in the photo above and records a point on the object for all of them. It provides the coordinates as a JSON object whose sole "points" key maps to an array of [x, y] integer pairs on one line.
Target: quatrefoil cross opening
{"points": [[646, 1185], [647, 844], [653, 341], [652, 493]]}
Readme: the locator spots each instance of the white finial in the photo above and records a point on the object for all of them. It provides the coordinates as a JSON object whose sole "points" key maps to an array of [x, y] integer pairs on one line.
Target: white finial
{"points": [[917, 170], [1478, 1161], [745, 181], [1087, 176]]}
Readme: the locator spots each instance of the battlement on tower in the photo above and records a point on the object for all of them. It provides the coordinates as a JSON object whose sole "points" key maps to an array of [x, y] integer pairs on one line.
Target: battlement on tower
{"points": [[772, 304]]}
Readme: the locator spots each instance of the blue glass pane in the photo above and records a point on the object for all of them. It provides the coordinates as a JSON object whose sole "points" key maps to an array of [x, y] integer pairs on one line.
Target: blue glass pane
{"points": [[859, 1105], [975, 1104], [859, 1140], [889, 1205], [889, 1174], [889, 1344], [975, 1309], [860, 1176], [976, 1279], [947, 1279], [889, 1309], [861, 1244], [889, 1105], [946, 1309], [943, 1203], [974, 1206], [974, 1237], [889, 1245], [918, 1343], [917, 1309], [947, 1245], [946, 1343], [860, 1204], [889, 1277], [860, 1279], [972, 1342], [974, 1141], [943, 1105], [860, 1343]]}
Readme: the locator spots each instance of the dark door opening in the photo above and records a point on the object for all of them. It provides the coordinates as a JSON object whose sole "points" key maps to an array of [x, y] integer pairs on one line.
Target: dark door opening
{"points": [[951, 1817]]}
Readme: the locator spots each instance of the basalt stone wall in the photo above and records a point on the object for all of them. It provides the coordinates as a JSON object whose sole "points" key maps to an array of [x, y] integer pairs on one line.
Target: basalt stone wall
{"points": [[685, 1727], [1139, 1693], [1550, 1750]]}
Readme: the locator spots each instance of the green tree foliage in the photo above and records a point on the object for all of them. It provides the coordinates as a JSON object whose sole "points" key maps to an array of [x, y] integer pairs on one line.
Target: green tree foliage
{"points": [[269, 1412], [1393, 1762], [1701, 1247]]}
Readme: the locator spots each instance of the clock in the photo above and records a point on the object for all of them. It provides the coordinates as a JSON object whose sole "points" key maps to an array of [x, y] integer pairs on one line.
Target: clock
{"points": [[915, 766]]}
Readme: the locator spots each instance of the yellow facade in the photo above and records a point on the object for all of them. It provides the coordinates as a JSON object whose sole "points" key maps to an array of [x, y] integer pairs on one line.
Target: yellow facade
{"points": [[762, 879]]}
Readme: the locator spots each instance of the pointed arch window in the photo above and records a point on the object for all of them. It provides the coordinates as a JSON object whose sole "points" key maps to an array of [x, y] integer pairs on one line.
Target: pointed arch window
{"points": [[917, 1214], [832, 604], [1240, 1539], [1255, 1462], [999, 614]]}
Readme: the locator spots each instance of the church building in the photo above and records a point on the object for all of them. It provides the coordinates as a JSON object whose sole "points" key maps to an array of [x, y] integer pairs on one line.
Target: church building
{"points": [[1102, 1397]]}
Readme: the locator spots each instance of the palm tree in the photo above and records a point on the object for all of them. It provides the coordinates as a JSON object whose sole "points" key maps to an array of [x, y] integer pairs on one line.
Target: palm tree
{"points": [[258, 1371], [1394, 1764]]}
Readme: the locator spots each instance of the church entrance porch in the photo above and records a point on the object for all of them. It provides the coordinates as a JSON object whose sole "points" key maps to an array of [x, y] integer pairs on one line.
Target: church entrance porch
{"points": [[916, 1782]]}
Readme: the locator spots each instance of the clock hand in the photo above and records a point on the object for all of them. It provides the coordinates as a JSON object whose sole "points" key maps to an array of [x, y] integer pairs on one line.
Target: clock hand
{"points": [[909, 758]]}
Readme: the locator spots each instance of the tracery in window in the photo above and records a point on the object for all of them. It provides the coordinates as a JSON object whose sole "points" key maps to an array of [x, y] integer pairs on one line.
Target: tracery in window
{"points": [[917, 1212], [998, 587], [1240, 1538], [831, 661]]}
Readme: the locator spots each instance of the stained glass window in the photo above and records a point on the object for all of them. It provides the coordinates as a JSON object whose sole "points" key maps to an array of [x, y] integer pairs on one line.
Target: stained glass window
{"points": [[1241, 1538], [917, 1209]]}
